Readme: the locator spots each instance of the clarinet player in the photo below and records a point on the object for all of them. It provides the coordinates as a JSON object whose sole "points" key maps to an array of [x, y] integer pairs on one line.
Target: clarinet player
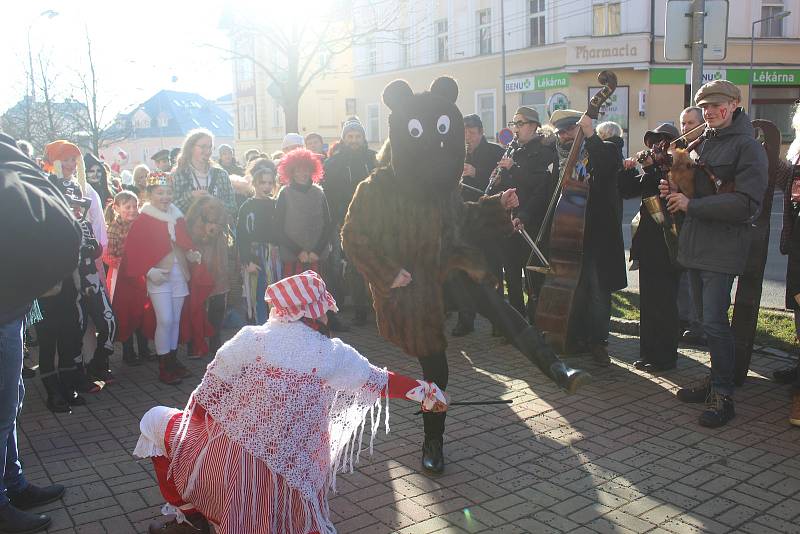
{"points": [[533, 170]]}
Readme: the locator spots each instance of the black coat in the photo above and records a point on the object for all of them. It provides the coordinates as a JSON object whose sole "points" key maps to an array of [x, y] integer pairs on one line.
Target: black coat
{"points": [[534, 175], [344, 170], [256, 225], [603, 235], [40, 237], [484, 158]]}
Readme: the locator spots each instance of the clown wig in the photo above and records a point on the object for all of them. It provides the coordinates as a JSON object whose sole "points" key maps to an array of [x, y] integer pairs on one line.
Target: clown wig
{"points": [[300, 158]]}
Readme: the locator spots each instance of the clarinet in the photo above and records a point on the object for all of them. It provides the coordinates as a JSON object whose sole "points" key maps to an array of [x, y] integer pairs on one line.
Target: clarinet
{"points": [[499, 173]]}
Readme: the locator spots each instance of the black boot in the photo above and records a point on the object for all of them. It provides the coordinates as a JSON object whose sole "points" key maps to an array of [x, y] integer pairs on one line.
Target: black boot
{"points": [[97, 370], [128, 355], [56, 402], [15, 521], [719, 410], [787, 375], [33, 496], [335, 325], [143, 348], [695, 393], [532, 344], [433, 455], [214, 343], [74, 381]]}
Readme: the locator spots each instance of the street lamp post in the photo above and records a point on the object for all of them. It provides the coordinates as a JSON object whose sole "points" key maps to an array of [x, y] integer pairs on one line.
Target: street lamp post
{"points": [[777, 16]]}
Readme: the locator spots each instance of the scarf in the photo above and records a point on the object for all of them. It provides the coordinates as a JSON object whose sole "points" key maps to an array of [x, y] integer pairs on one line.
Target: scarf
{"points": [[581, 167]]}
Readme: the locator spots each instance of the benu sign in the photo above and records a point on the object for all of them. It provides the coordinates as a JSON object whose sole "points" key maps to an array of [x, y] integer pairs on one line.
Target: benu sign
{"points": [[539, 82]]}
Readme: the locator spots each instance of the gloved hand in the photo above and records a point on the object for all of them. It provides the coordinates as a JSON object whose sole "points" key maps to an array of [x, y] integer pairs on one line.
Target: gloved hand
{"points": [[158, 276], [194, 256], [430, 397]]}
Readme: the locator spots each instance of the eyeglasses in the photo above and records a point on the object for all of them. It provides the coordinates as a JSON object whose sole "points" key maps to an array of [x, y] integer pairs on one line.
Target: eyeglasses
{"points": [[520, 124]]}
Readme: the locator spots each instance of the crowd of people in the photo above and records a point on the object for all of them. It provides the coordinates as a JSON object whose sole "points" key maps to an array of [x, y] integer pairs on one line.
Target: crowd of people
{"points": [[161, 260]]}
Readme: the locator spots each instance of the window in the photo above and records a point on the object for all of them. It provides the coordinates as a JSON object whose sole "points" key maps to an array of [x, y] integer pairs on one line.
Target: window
{"points": [[405, 48], [372, 56], [485, 31], [537, 100], [350, 106], [536, 8], [606, 18], [373, 123], [484, 107], [247, 117], [772, 27], [163, 120], [777, 105], [277, 116], [441, 40], [141, 120]]}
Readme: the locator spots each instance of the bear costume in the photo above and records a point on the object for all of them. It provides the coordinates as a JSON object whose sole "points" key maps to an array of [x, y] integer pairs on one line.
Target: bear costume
{"points": [[408, 230]]}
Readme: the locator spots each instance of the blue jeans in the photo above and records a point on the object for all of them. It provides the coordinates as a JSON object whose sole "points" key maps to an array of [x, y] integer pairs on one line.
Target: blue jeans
{"points": [[12, 390], [712, 297], [261, 304]]}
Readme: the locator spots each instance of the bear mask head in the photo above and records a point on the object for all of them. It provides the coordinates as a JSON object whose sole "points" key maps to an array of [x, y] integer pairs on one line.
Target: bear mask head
{"points": [[426, 135]]}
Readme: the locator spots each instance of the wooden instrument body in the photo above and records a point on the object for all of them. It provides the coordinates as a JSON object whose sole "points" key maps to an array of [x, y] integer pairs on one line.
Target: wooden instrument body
{"points": [[748, 291]]}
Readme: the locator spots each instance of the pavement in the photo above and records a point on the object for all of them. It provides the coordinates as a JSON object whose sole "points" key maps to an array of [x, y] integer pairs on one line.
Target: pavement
{"points": [[623, 455]]}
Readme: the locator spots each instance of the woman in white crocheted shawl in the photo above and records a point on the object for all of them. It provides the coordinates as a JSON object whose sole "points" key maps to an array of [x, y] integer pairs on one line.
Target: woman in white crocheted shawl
{"points": [[281, 408]]}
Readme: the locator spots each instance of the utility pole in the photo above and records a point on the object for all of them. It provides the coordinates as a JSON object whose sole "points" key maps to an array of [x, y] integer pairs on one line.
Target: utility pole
{"points": [[698, 19]]}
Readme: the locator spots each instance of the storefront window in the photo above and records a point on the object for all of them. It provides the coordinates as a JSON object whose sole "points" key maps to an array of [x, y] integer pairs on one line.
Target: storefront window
{"points": [[776, 104], [538, 101]]}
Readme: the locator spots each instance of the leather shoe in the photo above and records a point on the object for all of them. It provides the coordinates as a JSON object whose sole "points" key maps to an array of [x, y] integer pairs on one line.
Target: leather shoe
{"points": [[15, 521], [462, 330], [653, 368], [433, 455], [33, 496], [640, 365], [693, 338]]}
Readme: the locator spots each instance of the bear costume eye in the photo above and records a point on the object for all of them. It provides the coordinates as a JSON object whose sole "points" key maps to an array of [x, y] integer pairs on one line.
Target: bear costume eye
{"points": [[415, 128], [443, 124]]}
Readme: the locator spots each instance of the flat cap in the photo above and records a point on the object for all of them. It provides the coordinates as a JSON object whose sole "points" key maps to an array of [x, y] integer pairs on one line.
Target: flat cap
{"points": [[473, 121], [161, 154], [529, 113], [717, 92], [665, 130], [562, 119]]}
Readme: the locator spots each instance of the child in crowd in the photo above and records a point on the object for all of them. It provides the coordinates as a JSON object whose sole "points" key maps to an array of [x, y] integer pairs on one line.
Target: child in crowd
{"points": [[255, 238], [155, 264], [279, 411], [120, 216]]}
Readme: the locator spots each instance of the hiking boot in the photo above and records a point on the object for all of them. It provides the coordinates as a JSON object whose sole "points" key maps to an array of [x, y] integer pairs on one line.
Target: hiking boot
{"points": [[33, 496], [433, 455], [15, 521], [695, 393], [600, 355], [166, 371], [787, 375], [719, 410], [194, 524], [794, 415]]}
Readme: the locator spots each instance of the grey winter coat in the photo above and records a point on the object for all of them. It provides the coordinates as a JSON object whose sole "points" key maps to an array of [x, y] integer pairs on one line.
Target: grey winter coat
{"points": [[715, 235]]}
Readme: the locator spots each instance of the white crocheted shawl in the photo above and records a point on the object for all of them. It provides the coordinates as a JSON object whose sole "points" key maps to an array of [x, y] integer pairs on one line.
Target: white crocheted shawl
{"points": [[293, 398]]}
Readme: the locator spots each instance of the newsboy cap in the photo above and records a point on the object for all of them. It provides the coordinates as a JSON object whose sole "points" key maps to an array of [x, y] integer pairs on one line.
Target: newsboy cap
{"points": [[717, 92], [562, 119], [529, 113]]}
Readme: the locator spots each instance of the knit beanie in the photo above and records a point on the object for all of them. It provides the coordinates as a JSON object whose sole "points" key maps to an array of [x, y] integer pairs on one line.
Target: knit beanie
{"points": [[352, 124]]}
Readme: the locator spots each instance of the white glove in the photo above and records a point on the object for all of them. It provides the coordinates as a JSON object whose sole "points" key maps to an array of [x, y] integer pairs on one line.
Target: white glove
{"points": [[429, 396], [158, 276], [194, 256]]}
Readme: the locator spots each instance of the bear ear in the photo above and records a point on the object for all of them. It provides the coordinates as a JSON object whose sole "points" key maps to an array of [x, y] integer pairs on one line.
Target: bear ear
{"points": [[445, 87], [395, 93]]}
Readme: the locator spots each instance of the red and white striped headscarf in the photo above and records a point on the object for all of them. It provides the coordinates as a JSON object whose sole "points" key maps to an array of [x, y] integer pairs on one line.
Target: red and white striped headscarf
{"points": [[301, 295]]}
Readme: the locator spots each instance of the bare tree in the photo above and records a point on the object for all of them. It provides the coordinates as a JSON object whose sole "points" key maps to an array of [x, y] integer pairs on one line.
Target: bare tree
{"points": [[92, 120], [303, 49]]}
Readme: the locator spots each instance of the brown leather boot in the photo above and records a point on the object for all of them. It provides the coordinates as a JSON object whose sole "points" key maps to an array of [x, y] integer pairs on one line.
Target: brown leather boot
{"points": [[166, 372], [195, 524], [794, 415]]}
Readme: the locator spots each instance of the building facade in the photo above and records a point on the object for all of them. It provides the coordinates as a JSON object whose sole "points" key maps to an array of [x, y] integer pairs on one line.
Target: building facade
{"points": [[163, 121], [554, 51]]}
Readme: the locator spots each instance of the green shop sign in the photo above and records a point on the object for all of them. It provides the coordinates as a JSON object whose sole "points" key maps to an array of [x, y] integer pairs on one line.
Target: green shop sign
{"points": [[679, 76], [538, 82]]}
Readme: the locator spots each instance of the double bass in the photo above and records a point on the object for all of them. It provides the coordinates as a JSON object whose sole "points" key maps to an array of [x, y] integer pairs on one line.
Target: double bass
{"points": [[567, 211]]}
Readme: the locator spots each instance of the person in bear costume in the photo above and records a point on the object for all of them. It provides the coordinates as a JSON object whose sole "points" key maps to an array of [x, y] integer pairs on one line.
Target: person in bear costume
{"points": [[407, 230]]}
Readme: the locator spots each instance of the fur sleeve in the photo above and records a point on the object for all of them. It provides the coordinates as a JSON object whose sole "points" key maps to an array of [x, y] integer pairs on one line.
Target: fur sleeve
{"points": [[361, 240], [485, 220]]}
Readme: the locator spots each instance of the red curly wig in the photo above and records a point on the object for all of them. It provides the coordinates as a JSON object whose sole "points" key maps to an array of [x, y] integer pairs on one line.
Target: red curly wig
{"points": [[300, 158]]}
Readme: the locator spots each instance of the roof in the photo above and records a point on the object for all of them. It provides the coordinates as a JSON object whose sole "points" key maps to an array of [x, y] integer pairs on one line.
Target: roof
{"points": [[181, 112]]}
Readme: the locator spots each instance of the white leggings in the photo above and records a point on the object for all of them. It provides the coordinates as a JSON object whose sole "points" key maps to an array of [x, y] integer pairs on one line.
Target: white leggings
{"points": [[168, 321]]}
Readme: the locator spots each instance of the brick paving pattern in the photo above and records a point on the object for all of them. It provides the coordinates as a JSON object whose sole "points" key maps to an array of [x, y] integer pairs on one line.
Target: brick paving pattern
{"points": [[622, 456]]}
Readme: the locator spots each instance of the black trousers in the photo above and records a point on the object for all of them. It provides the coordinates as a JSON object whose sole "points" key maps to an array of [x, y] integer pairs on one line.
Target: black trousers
{"points": [[485, 299], [216, 312], [658, 322], [515, 256], [97, 307], [60, 330], [466, 308]]}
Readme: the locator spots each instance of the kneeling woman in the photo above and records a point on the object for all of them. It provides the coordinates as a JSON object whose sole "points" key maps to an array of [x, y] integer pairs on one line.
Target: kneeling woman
{"points": [[279, 411]]}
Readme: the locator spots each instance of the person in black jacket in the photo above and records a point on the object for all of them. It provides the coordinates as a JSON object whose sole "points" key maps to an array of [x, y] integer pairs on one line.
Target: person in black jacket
{"points": [[603, 262], [653, 251], [255, 237], [533, 172], [479, 164], [349, 163], [40, 239]]}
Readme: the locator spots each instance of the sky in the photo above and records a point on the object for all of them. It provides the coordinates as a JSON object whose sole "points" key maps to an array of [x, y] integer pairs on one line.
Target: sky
{"points": [[140, 47]]}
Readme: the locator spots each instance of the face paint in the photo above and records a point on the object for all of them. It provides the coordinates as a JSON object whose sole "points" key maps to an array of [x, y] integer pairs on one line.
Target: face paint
{"points": [[723, 113]]}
